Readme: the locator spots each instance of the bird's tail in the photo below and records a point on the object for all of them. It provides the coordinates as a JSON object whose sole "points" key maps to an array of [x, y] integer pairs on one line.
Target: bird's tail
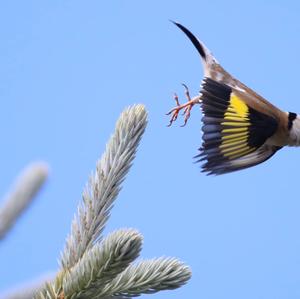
{"points": [[209, 61]]}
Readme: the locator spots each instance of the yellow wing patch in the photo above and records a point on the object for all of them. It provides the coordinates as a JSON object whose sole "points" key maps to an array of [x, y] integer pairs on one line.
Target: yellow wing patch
{"points": [[235, 129], [240, 108]]}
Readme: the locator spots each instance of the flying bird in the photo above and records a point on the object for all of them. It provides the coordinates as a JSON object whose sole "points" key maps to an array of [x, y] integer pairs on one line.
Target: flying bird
{"points": [[240, 128]]}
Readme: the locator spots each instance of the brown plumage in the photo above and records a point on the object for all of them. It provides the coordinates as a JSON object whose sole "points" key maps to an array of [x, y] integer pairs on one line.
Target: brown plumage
{"points": [[240, 128]]}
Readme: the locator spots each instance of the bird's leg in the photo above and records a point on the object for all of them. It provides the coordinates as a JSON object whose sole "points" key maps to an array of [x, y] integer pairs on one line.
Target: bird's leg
{"points": [[175, 110], [187, 107]]}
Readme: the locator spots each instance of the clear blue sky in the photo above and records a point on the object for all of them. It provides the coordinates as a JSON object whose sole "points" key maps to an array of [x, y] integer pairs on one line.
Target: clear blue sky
{"points": [[67, 70]]}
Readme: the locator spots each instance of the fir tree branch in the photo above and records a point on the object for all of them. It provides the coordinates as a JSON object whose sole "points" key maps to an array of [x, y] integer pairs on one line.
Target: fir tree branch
{"points": [[102, 263], [92, 268], [146, 277], [23, 191], [104, 185], [52, 289]]}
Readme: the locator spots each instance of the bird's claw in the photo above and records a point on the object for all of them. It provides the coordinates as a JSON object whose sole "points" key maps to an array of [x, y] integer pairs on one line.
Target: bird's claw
{"points": [[187, 108], [187, 113], [174, 111]]}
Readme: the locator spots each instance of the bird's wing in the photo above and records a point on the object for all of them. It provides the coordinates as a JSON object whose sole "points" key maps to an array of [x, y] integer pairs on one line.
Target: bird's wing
{"points": [[260, 155], [232, 129], [237, 121]]}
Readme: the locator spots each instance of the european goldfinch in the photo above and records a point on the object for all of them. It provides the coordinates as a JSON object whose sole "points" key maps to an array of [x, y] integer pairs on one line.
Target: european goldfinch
{"points": [[240, 128]]}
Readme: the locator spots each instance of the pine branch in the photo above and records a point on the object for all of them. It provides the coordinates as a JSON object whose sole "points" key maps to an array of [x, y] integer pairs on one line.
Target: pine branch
{"points": [[97, 268], [23, 191], [52, 289], [102, 263], [48, 292], [104, 186], [147, 277]]}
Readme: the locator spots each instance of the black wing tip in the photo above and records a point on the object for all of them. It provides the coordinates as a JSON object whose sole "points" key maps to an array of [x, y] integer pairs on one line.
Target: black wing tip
{"points": [[216, 171], [210, 172], [211, 169], [192, 38]]}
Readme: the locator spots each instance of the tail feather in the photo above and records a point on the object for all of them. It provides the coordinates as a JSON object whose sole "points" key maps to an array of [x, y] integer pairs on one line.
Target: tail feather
{"points": [[207, 57]]}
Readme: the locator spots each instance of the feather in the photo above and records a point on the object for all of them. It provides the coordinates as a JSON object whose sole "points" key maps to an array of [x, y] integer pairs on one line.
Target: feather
{"points": [[207, 58], [260, 155], [240, 128], [236, 133]]}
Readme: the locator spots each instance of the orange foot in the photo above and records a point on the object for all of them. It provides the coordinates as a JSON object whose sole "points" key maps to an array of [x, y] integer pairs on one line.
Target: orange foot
{"points": [[187, 107]]}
